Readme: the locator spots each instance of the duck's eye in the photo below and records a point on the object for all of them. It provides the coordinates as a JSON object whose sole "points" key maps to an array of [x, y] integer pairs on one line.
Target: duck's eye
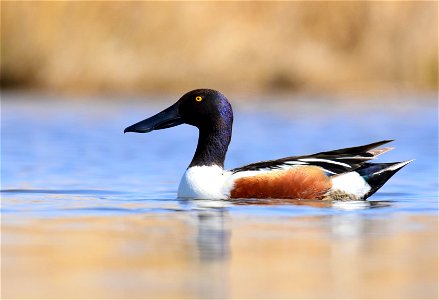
{"points": [[198, 98]]}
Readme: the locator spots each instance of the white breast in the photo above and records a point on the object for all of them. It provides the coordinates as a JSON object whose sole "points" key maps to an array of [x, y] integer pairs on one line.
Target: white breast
{"points": [[205, 182]]}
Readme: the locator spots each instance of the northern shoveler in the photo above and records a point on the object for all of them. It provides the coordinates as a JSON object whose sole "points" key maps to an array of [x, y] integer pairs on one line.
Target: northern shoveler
{"points": [[344, 174]]}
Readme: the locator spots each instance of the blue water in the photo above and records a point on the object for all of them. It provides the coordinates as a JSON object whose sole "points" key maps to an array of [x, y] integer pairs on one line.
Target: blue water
{"points": [[67, 158]]}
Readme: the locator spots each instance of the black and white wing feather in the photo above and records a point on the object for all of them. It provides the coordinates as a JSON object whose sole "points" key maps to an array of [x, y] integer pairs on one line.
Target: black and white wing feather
{"points": [[333, 162]]}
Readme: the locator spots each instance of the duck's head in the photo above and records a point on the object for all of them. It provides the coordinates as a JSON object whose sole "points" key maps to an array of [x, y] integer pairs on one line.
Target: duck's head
{"points": [[203, 108]]}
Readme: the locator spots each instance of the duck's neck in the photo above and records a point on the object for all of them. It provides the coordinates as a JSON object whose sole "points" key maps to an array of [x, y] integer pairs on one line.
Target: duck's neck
{"points": [[212, 146]]}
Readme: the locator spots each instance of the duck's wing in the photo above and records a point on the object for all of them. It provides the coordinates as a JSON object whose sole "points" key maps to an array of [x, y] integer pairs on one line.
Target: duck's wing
{"points": [[333, 162]]}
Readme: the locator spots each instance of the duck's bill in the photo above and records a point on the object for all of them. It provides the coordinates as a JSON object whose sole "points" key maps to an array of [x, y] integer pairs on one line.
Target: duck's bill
{"points": [[165, 119]]}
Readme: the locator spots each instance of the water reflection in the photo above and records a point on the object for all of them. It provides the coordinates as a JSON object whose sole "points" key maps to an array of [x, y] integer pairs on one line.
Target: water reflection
{"points": [[214, 230], [347, 226], [213, 247], [272, 202], [213, 236], [342, 205], [215, 253]]}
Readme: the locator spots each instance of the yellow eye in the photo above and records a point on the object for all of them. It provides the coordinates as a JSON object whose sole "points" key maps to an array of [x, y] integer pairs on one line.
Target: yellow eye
{"points": [[198, 98]]}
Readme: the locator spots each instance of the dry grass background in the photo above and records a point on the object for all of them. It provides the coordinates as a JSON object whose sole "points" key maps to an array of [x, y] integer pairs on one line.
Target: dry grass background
{"points": [[242, 46]]}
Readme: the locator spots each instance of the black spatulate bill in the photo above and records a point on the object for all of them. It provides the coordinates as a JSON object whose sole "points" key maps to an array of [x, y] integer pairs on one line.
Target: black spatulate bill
{"points": [[169, 117]]}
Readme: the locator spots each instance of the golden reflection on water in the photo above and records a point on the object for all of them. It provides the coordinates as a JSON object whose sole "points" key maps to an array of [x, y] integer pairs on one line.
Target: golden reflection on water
{"points": [[210, 253]]}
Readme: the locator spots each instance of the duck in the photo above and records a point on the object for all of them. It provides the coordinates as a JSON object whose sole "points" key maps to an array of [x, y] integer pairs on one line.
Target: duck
{"points": [[342, 174]]}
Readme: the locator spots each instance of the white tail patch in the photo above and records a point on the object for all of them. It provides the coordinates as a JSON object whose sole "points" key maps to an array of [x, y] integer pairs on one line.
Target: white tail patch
{"points": [[350, 183]]}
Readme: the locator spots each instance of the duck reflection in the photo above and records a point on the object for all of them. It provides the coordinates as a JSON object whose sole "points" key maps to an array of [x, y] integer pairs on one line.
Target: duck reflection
{"points": [[213, 234], [214, 231], [272, 202], [213, 248], [343, 205]]}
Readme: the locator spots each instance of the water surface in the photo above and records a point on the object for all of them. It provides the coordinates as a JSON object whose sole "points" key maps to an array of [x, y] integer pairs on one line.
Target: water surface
{"points": [[88, 212]]}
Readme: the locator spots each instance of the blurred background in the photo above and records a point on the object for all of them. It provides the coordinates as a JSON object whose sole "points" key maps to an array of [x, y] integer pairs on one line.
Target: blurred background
{"points": [[136, 47]]}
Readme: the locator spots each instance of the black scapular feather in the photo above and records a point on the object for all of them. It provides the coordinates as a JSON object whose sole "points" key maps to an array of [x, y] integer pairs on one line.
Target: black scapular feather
{"points": [[353, 158]]}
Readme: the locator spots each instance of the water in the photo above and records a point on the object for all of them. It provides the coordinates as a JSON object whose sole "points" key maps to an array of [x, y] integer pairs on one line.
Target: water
{"points": [[88, 212]]}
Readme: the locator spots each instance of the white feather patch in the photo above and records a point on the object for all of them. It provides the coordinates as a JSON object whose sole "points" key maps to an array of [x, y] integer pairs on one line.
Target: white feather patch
{"points": [[326, 161], [205, 182], [350, 183], [395, 166]]}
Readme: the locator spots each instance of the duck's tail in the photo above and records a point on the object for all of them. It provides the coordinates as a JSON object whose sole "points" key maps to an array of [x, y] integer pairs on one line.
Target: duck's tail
{"points": [[377, 174]]}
